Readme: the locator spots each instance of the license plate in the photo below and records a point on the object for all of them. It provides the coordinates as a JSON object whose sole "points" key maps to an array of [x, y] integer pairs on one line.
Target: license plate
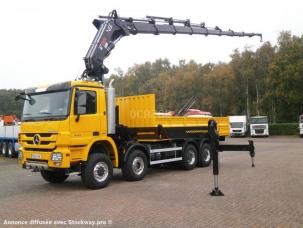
{"points": [[36, 156]]}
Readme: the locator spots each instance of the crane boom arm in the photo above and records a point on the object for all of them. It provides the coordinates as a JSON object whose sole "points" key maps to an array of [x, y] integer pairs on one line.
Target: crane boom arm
{"points": [[112, 28]]}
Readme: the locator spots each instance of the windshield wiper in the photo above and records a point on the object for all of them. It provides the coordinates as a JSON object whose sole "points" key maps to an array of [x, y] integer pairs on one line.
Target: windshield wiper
{"points": [[28, 120], [45, 112]]}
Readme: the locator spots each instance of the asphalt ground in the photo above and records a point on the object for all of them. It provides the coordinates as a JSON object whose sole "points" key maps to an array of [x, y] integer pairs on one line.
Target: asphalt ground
{"points": [[269, 195]]}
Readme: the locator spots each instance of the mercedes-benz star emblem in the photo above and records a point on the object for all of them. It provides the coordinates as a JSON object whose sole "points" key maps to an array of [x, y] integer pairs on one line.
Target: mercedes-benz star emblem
{"points": [[36, 140]]}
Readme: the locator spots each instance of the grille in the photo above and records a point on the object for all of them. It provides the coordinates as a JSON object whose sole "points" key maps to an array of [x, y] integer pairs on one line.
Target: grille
{"points": [[46, 144], [237, 131], [259, 127], [259, 131], [39, 149], [41, 134]]}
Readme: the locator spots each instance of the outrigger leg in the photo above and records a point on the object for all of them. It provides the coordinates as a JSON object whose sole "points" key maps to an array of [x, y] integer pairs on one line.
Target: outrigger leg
{"points": [[216, 147]]}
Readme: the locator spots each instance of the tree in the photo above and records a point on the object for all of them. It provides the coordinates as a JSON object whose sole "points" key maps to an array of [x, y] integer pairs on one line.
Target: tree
{"points": [[286, 77], [8, 105]]}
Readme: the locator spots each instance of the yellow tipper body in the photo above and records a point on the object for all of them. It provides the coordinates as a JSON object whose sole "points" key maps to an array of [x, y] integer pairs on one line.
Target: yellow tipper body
{"points": [[139, 112]]}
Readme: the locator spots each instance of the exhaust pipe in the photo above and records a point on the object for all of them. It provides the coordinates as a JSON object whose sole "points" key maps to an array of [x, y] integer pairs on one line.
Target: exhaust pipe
{"points": [[111, 109]]}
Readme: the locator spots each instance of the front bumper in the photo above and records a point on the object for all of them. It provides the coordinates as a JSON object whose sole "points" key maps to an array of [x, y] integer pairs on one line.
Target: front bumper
{"points": [[237, 134], [259, 132], [42, 160]]}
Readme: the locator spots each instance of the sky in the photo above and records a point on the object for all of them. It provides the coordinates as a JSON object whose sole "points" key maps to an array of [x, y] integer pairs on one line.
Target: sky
{"points": [[44, 41]]}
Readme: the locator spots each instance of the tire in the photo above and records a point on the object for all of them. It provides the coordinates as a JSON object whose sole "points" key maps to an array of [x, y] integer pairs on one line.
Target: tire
{"points": [[98, 171], [11, 150], [135, 167], [189, 158], [4, 149], [54, 177], [204, 157]]}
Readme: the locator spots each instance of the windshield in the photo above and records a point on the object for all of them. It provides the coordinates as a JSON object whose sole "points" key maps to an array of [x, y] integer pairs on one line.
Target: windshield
{"points": [[261, 120], [236, 125], [46, 106]]}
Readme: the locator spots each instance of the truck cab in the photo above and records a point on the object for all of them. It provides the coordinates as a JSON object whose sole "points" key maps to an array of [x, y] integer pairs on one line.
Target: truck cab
{"points": [[301, 125], [238, 125], [61, 125], [258, 126]]}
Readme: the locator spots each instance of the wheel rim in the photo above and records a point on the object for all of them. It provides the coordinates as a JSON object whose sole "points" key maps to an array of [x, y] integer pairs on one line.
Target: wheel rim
{"points": [[191, 157], [101, 171], [138, 165], [206, 155]]}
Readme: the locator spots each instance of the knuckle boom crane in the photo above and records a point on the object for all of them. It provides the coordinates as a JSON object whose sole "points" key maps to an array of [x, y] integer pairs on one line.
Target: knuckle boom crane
{"points": [[112, 28]]}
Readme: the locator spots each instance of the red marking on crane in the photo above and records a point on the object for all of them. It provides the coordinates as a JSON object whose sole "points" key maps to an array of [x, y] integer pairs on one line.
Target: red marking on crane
{"points": [[103, 41]]}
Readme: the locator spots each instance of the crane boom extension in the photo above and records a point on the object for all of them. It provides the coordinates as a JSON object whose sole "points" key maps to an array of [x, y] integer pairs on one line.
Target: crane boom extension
{"points": [[112, 28]]}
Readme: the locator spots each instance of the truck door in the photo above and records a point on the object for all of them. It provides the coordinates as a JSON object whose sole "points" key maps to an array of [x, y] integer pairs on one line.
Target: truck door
{"points": [[87, 125]]}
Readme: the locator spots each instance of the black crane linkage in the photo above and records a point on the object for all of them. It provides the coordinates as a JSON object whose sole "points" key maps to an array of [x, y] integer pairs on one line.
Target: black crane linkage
{"points": [[112, 28]]}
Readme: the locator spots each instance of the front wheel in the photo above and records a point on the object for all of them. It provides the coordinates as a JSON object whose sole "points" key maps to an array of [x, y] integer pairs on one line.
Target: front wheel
{"points": [[189, 160], [135, 167], [54, 177], [204, 158], [97, 172]]}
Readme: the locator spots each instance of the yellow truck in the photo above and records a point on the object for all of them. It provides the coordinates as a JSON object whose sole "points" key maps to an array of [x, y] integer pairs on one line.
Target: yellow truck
{"points": [[80, 127]]}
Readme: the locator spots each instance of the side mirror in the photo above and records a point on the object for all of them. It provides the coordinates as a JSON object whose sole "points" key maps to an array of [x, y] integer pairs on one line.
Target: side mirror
{"points": [[19, 97], [23, 96]]}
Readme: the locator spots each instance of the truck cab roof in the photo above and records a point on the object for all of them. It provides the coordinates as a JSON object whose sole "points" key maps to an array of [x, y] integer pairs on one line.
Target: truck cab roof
{"points": [[63, 85]]}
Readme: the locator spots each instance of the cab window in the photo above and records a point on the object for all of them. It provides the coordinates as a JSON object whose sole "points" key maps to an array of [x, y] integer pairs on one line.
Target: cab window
{"points": [[87, 102]]}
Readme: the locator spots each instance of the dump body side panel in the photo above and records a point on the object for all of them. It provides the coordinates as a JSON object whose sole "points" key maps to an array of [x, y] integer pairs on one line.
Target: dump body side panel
{"points": [[139, 112]]}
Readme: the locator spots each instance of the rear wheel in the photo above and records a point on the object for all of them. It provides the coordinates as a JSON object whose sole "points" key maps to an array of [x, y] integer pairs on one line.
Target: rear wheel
{"points": [[4, 149], [10, 150], [97, 172], [189, 160], [54, 176], [135, 167], [204, 158]]}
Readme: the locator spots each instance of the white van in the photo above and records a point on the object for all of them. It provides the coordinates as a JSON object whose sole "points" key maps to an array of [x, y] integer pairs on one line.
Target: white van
{"points": [[238, 125]]}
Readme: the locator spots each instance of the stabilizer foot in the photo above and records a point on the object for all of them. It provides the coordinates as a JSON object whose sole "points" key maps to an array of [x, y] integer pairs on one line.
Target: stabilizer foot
{"points": [[216, 192]]}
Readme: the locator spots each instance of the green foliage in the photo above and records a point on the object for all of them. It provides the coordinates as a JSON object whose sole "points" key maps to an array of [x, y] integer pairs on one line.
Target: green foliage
{"points": [[286, 78], [8, 105], [284, 129]]}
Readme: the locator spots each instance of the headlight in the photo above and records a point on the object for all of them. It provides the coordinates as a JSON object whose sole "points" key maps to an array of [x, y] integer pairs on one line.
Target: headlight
{"points": [[56, 156], [20, 156], [17, 146]]}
